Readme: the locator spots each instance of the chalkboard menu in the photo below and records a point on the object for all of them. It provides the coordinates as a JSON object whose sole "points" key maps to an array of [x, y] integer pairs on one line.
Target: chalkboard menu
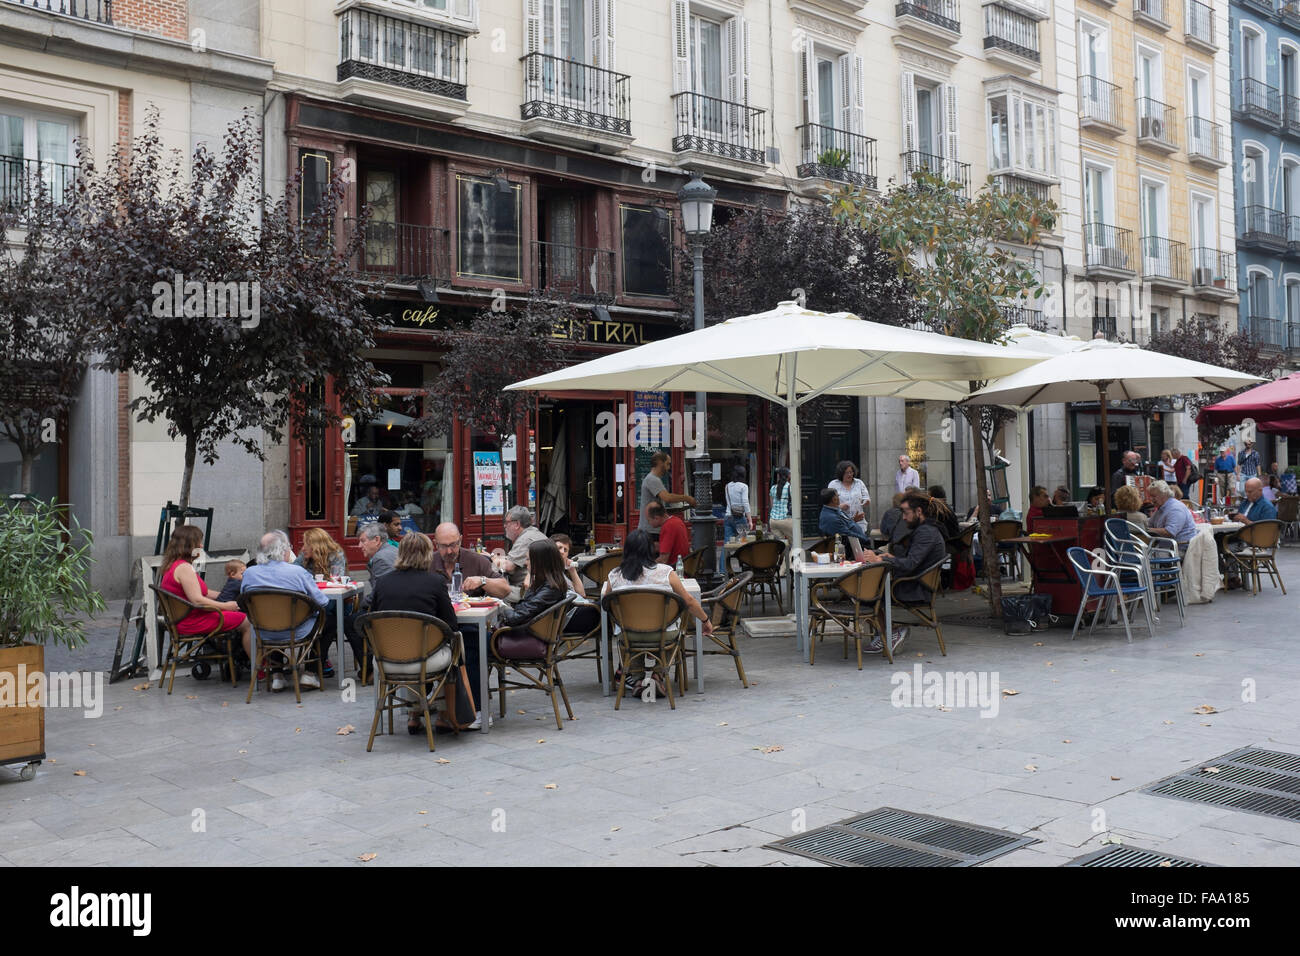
{"points": [[650, 403]]}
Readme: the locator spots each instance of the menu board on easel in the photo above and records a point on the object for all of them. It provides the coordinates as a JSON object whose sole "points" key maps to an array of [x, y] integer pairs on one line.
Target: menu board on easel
{"points": [[488, 499], [657, 405]]}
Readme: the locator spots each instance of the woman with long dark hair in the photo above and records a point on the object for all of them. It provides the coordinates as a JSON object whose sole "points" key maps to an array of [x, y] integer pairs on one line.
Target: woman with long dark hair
{"points": [[739, 518], [640, 568], [180, 578]]}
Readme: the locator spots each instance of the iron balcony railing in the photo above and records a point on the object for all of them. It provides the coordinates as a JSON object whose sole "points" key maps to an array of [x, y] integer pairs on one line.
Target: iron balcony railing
{"points": [[1258, 101], [573, 271], [949, 169], [20, 179], [1152, 10], [1259, 6], [1261, 224], [718, 127], [97, 11], [1293, 235], [1009, 183], [577, 93], [942, 13], [415, 56], [1205, 139], [1106, 325], [1293, 336], [1291, 113], [1109, 247], [1289, 13], [1157, 121], [1014, 32], [1199, 22], [1019, 315], [1210, 267], [404, 253], [836, 154], [1266, 331], [1164, 259], [1100, 102]]}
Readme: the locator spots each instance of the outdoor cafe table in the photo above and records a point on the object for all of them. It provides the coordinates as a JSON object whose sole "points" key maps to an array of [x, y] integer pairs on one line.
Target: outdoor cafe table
{"points": [[693, 589], [480, 617], [340, 592], [804, 575], [1222, 532], [1059, 581]]}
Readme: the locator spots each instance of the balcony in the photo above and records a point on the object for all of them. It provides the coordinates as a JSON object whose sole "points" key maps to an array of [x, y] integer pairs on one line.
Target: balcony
{"points": [[1263, 228], [1100, 106], [1152, 13], [1293, 337], [403, 254], [96, 11], [1266, 332], [1293, 236], [829, 156], [718, 135], [1109, 251], [1198, 27], [930, 19], [1164, 263], [399, 64], [1214, 273], [1011, 38], [1019, 315], [1289, 13], [575, 104], [1157, 125], [1010, 184], [1205, 143], [1263, 7], [949, 169], [1291, 114], [1258, 102], [21, 179], [1106, 326], [573, 272]]}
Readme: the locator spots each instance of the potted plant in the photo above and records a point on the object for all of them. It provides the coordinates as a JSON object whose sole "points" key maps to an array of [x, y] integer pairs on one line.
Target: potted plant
{"points": [[833, 159], [1220, 282], [44, 591]]}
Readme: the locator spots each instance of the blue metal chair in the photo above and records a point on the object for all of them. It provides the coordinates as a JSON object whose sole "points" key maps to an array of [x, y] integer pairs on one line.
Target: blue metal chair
{"points": [[1106, 586], [1156, 559]]}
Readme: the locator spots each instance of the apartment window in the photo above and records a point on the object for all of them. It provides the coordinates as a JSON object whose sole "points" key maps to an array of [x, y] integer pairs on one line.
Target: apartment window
{"points": [[1155, 209], [1159, 320], [315, 169], [647, 250], [1252, 54], [1290, 187], [1287, 73], [1293, 302], [1094, 51], [1205, 260], [929, 116], [1252, 177], [1198, 95], [35, 143], [489, 231], [1150, 76], [1022, 132], [832, 92], [1261, 305], [1099, 194]]}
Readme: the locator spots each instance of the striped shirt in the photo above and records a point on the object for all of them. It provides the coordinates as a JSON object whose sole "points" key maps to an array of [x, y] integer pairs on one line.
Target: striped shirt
{"points": [[780, 503]]}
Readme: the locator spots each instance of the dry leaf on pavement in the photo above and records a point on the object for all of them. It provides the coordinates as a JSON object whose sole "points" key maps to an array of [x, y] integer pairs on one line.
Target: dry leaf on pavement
{"points": [[422, 812], [140, 687], [541, 740], [552, 786], [770, 749], [722, 723], [1205, 709], [614, 829], [1008, 692], [1209, 770], [191, 696], [1114, 778], [1032, 767], [367, 857], [443, 760], [1065, 741], [78, 773], [344, 730], [224, 703], [1038, 643], [1165, 863], [1168, 721], [1198, 655]]}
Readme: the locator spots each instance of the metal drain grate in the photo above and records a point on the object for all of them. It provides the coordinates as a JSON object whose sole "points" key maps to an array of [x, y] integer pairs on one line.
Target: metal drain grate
{"points": [[1266, 782], [1132, 856], [889, 837]]}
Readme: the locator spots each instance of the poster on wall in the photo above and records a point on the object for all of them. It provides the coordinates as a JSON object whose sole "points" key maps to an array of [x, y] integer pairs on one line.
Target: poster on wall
{"points": [[488, 499]]}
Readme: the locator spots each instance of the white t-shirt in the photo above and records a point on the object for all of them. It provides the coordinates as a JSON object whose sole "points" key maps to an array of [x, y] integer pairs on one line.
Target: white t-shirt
{"points": [[853, 499]]}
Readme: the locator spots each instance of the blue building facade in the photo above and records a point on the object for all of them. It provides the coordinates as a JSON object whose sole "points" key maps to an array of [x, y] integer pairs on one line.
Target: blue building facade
{"points": [[1265, 67]]}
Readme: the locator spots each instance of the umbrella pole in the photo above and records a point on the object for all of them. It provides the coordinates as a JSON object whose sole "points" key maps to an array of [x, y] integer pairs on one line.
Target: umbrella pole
{"points": [[1105, 446], [792, 442]]}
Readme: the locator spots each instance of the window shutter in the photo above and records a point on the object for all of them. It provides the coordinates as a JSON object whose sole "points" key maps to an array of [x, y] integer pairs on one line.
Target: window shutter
{"points": [[808, 80], [743, 26], [596, 33], [533, 44], [681, 46], [907, 97], [735, 42], [950, 128], [464, 9], [610, 63], [852, 100]]}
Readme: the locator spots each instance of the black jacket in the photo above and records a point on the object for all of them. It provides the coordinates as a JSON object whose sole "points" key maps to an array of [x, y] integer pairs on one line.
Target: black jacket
{"points": [[534, 602], [916, 552], [410, 590]]}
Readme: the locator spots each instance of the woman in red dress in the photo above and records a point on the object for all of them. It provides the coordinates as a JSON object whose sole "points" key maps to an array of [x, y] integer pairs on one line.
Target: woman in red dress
{"points": [[180, 578]]}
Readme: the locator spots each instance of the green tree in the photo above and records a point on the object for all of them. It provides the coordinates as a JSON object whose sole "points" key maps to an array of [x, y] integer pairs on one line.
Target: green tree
{"points": [[962, 259], [149, 223]]}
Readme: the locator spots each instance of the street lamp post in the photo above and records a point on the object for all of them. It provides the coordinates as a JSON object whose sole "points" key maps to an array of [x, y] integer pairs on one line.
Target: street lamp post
{"points": [[696, 199]]}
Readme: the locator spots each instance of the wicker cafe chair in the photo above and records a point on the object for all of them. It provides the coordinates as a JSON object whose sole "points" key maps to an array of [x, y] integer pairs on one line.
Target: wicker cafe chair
{"points": [[722, 605], [691, 563], [648, 620], [1288, 512], [820, 546], [415, 653], [862, 588], [923, 613], [1008, 554], [534, 651], [598, 571], [762, 559], [1261, 540], [277, 609], [577, 645], [190, 648]]}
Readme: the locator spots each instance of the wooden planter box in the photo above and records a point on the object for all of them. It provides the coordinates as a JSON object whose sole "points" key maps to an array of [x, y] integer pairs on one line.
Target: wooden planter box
{"points": [[22, 729]]}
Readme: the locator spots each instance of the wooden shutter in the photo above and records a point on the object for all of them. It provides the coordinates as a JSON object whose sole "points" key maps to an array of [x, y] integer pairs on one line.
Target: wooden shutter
{"points": [[735, 47], [907, 97], [852, 98], [533, 44], [808, 80], [950, 120], [681, 46]]}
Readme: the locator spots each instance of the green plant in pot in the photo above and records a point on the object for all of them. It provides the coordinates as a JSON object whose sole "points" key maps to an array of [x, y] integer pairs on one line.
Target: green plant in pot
{"points": [[834, 158], [44, 594]]}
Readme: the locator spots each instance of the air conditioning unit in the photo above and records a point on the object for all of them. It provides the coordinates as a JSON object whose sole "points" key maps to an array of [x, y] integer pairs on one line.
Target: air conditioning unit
{"points": [[1152, 127], [1202, 276]]}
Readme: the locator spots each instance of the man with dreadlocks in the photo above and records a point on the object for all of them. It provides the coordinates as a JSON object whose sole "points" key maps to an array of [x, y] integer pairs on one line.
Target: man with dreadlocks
{"points": [[921, 547]]}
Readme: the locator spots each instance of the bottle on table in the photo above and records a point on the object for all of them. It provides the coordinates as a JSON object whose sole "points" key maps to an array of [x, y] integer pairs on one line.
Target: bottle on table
{"points": [[457, 580], [478, 546], [839, 551], [681, 567]]}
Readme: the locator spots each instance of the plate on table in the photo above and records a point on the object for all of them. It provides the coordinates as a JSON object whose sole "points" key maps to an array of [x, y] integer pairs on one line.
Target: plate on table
{"points": [[482, 602]]}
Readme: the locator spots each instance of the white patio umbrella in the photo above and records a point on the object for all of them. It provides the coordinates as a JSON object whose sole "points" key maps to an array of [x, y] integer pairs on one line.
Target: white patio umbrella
{"points": [[791, 355], [1101, 370]]}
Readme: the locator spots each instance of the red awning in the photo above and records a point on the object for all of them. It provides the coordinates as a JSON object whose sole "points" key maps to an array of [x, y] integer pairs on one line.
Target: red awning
{"points": [[1275, 407]]}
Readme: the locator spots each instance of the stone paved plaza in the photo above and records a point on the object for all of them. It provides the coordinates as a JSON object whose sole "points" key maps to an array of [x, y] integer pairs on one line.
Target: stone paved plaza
{"points": [[1091, 724]]}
